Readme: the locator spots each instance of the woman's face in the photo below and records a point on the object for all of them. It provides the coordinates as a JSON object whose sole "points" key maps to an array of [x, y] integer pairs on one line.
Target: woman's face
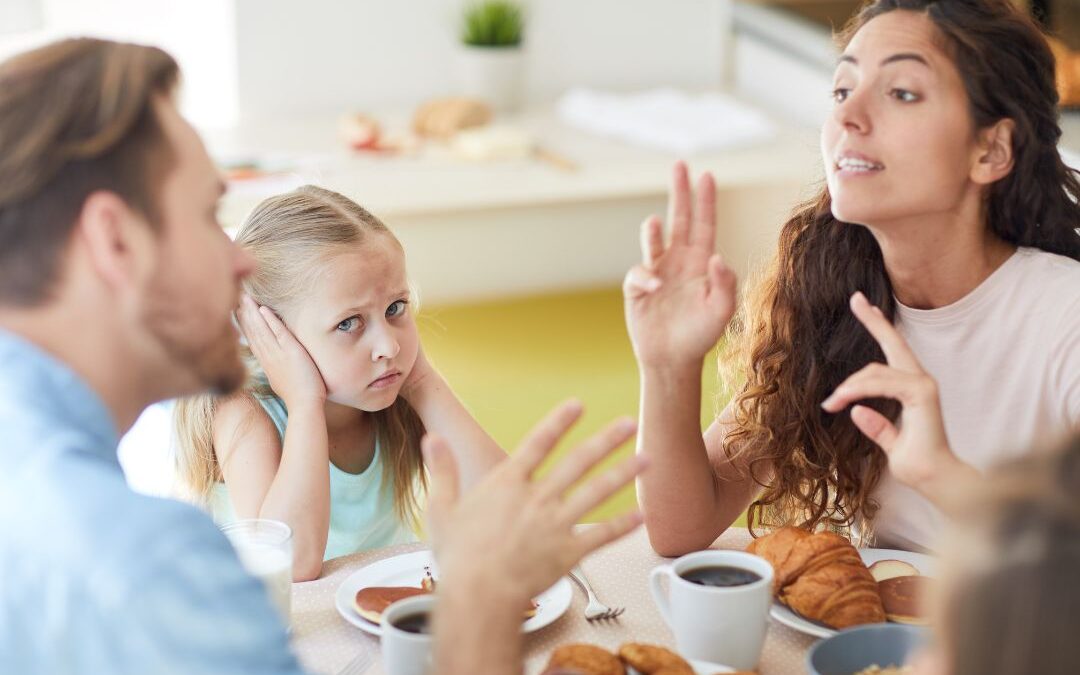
{"points": [[900, 142], [356, 324]]}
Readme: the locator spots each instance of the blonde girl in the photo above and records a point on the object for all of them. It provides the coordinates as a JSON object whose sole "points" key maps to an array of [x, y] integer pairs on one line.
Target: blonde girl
{"points": [[326, 437], [1009, 598]]}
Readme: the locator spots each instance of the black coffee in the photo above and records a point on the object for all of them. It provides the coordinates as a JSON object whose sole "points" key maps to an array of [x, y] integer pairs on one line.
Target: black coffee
{"points": [[413, 623], [720, 575]]}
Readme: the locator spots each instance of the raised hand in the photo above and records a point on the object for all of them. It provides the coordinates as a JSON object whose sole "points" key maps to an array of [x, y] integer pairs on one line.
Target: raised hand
{"points": [[287, 364], [918, 451], [515, 532], [681, 297]]}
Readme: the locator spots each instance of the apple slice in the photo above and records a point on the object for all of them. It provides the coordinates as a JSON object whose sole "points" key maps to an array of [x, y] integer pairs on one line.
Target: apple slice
{"points": [[888, 569]]}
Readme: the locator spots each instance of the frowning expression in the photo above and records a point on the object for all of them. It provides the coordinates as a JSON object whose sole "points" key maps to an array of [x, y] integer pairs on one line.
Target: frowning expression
{"points": [[355, 322]]}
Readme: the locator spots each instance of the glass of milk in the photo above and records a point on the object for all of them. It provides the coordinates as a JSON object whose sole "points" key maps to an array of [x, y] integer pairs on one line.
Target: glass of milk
{"points": [[265, 550]]}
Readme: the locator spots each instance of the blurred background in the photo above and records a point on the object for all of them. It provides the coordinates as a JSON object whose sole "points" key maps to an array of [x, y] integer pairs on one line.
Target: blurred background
{"points": [[514, 155]]}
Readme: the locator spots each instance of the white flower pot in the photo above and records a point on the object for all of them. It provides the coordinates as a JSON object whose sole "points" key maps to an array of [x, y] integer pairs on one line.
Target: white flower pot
{"points": [[493, 74]]}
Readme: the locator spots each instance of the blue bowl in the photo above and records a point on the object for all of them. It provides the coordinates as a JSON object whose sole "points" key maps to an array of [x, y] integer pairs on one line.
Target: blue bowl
{"points": [[851, 650]]}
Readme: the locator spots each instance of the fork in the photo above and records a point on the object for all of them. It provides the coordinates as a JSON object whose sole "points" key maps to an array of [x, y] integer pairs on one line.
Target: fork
{"points": [[595, 610], [359, 665]]}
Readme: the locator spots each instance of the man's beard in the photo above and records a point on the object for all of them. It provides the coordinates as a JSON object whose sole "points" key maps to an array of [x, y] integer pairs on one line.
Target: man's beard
{"points": [[211, 359]]}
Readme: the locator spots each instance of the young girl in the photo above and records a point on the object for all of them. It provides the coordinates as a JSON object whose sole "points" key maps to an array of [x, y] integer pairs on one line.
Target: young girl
{"points": [[1010, 595], [948, 207], [326, 437]]}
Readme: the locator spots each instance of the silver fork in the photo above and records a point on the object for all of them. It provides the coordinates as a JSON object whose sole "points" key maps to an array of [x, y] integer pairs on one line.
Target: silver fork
{"points": [[359, 665], [595, 610]]}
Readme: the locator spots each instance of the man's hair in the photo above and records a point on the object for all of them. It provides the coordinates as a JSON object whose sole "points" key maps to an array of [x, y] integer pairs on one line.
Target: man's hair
{"points": [[76, 117]]}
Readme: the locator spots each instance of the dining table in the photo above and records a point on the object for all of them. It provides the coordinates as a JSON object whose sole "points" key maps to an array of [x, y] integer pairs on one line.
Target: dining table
{"points": [[619, 574]]}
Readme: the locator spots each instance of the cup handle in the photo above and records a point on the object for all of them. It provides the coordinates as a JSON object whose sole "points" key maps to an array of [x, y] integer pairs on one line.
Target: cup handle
{"points": [[658, 594]]}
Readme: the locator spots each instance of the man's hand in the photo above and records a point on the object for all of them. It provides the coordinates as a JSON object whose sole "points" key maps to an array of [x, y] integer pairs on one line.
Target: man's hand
{"points": [[522, 528], [513, 535]]}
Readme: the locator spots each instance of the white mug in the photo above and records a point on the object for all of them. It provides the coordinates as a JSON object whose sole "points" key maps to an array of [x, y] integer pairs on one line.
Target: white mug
{"points": [[405, 653], [724, 625]]}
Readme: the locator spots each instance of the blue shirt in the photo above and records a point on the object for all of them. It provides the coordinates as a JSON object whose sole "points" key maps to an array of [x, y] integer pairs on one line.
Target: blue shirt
{"points": [[95, 578]]}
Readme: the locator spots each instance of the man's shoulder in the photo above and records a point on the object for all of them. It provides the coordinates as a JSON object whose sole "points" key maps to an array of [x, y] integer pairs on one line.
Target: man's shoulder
{"points": [[108, 562], [76, 508]]}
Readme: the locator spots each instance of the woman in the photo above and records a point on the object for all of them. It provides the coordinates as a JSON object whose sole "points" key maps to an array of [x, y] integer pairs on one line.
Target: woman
{"points": [[934, 280]]}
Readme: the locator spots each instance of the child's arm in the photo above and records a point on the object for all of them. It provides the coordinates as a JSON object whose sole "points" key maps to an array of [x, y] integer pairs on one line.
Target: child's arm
{"points": [[287, 481], [252, 464], [443, 413]]}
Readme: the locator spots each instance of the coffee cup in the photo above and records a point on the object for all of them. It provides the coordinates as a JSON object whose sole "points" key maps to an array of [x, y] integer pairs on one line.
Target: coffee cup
{"points": [[717, 605], [406, 636]]}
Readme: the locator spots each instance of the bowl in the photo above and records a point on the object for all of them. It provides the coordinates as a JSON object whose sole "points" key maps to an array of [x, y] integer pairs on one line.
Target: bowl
{"points": [[853, 649]]}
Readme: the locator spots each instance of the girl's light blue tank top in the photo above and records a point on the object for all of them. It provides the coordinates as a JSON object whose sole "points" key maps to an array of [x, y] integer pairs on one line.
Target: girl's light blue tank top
{"points": [[361, 513]]}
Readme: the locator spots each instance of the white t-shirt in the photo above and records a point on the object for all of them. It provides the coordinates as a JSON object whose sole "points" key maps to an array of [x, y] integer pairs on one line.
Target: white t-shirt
{"points": [[1006, 358]]}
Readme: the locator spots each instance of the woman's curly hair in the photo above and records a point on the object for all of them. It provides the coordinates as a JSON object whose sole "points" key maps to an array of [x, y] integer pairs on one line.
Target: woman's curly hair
{"points": [[795, 338]]}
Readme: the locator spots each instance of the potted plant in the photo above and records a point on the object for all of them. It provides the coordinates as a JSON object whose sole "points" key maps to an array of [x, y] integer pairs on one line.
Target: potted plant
{"points": [[490, 62]]}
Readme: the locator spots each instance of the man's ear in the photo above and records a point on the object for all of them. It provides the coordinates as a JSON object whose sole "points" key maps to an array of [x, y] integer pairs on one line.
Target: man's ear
{"points": [[994, 159], [116, 239]]}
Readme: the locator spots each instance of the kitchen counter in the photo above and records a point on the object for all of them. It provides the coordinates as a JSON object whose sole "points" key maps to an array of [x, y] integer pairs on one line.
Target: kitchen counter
{"points": [[475, 230]]}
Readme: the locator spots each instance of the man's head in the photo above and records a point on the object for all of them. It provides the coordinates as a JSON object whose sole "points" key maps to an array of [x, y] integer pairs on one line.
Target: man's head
{"points": [[108, 199]]}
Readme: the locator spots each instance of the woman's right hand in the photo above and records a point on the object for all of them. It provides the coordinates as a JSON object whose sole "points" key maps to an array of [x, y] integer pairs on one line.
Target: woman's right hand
{"points": [[288, 366], [681, 297]]}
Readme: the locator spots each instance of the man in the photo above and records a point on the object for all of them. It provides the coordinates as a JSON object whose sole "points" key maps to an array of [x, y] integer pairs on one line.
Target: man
{"points": [[116, 288], [116, 285]]}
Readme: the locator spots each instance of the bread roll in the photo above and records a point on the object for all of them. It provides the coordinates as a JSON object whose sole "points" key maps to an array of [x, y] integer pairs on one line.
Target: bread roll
{"points": [[442, 118]]}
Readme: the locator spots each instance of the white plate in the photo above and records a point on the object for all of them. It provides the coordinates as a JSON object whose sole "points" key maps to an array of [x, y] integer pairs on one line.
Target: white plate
{"points": [[407, 569], [700, 668], [922, 562]]}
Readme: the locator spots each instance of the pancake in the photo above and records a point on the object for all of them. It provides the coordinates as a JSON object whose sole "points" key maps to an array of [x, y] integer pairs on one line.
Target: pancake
{"points": [[904, 598], [372, 601]]}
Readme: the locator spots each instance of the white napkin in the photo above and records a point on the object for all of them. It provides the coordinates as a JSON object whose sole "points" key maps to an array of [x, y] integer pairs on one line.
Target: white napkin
{"points": [[666, 119]]}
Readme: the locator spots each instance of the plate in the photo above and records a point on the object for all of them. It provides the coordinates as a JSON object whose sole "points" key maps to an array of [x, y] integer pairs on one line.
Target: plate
{"points": [[700, 668], [407, 569], [922, 562]]}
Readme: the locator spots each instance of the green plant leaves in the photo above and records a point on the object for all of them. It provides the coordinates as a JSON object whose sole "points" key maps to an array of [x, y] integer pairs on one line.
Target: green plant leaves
{"points": [[493, 23]]}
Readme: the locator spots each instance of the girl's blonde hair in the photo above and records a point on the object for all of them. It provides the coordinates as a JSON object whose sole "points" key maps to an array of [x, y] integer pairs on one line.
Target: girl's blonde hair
{"points": [[1013, 604], [289, 236]]}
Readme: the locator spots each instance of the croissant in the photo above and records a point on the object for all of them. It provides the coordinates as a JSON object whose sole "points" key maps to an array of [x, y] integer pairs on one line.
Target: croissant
{"points": [[821, 576]]}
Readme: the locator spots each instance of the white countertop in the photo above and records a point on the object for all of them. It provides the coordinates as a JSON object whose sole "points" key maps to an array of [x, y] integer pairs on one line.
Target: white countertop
{"points": [[435, 181]]}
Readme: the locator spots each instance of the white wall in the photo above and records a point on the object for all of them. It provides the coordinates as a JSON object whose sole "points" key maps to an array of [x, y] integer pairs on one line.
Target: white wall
{"points": [[770, 47], [246, 59], [334, 56], [200, 34], [252, 59]]}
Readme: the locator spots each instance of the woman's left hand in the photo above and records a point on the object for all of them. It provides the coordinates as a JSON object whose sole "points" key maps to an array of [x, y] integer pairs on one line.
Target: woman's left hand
{"points": [[918, 451]]}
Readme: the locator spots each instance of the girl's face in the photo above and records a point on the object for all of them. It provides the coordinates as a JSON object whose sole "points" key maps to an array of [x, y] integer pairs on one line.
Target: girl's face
{"points": [[357, 325], [900, 142]]}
